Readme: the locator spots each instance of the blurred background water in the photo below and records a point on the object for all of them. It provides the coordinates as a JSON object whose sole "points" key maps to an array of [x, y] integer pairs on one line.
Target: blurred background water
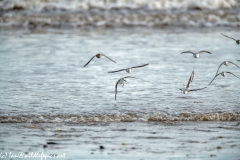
{"points": [[118, 13]]}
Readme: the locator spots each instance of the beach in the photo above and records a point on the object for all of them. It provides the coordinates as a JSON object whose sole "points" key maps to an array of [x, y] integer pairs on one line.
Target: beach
{"points": [[166, 140], [153, 140]]}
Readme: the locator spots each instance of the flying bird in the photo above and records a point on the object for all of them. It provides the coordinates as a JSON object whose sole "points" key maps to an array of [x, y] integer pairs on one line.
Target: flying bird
{"points": [[196, 55], [226, 63], [237, 41], [224, 75], [98, 56], [186, 90], [129, 70], [121, 81]]}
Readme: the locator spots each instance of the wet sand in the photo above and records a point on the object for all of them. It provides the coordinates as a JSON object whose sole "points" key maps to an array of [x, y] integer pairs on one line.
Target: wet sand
{"points": [[165, 140]]}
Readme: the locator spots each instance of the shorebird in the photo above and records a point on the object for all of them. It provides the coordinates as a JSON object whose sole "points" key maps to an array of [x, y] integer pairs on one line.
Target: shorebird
{"points": [[224, 75], [121, 81], [237, 41], [185, 89], [129, 70], [98, 56], [196, 55], [226, 63]]}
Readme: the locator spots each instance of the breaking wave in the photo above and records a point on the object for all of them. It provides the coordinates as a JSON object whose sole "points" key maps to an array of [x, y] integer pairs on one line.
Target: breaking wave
{"points": [[117, 13], [127, 117]]}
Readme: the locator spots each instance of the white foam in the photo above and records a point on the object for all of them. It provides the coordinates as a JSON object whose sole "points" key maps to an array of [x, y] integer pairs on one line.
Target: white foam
{"points": [[227, 116], [38, 5]]}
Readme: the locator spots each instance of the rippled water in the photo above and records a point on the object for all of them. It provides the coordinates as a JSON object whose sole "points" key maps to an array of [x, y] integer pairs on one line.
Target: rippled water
{"points": [[188, 140], [42, 78]]}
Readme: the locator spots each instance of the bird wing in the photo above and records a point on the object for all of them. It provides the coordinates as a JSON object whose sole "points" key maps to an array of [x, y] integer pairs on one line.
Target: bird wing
{"points": [[229, 37], [190, 79], [214, 78], [204, 51], [198, 89], [233, 74], [116, 71], [89, 61], [187, 52], [140, 66], [238, 60], [130, 77], [219, 67], [234, 64], [109, 58], [116, 90]]}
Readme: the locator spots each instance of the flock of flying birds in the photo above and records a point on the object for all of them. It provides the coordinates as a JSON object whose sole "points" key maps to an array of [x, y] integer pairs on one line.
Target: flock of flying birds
{"points": [[185, 90]]}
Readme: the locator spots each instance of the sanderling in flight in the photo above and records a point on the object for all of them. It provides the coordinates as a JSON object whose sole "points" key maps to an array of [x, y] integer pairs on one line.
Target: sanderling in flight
{"points": [[98, 56], [121, 81], [224, 75], [226, 63], [185, 89], [129, 70], [237, 41], [196, 55]]}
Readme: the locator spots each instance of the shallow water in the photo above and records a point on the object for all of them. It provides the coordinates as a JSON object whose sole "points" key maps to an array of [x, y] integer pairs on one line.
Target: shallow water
{"points": [[168, 140], [42, 78]]}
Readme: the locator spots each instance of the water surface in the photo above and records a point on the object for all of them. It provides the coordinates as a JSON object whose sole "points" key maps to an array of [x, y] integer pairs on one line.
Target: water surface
{"points": [[43, 80]]}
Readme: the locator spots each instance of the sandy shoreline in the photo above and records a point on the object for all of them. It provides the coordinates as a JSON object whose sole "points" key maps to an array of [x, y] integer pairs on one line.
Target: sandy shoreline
{"points": [[180, 140]]}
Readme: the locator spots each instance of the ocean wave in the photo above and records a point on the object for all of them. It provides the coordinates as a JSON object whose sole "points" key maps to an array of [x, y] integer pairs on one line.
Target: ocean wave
{"points": [[77, 13], [42, 5], [127, 117]]}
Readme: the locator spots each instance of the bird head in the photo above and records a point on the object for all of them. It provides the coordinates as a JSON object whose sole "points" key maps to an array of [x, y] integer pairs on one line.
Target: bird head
{"points": [[196, 55], [129, 70], [226, 63], [99, 55], [223, 74]]}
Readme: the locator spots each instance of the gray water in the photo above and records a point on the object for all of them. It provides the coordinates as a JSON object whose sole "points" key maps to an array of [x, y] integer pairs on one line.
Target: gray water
{"points": [[42, 78], [180, 140]]}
